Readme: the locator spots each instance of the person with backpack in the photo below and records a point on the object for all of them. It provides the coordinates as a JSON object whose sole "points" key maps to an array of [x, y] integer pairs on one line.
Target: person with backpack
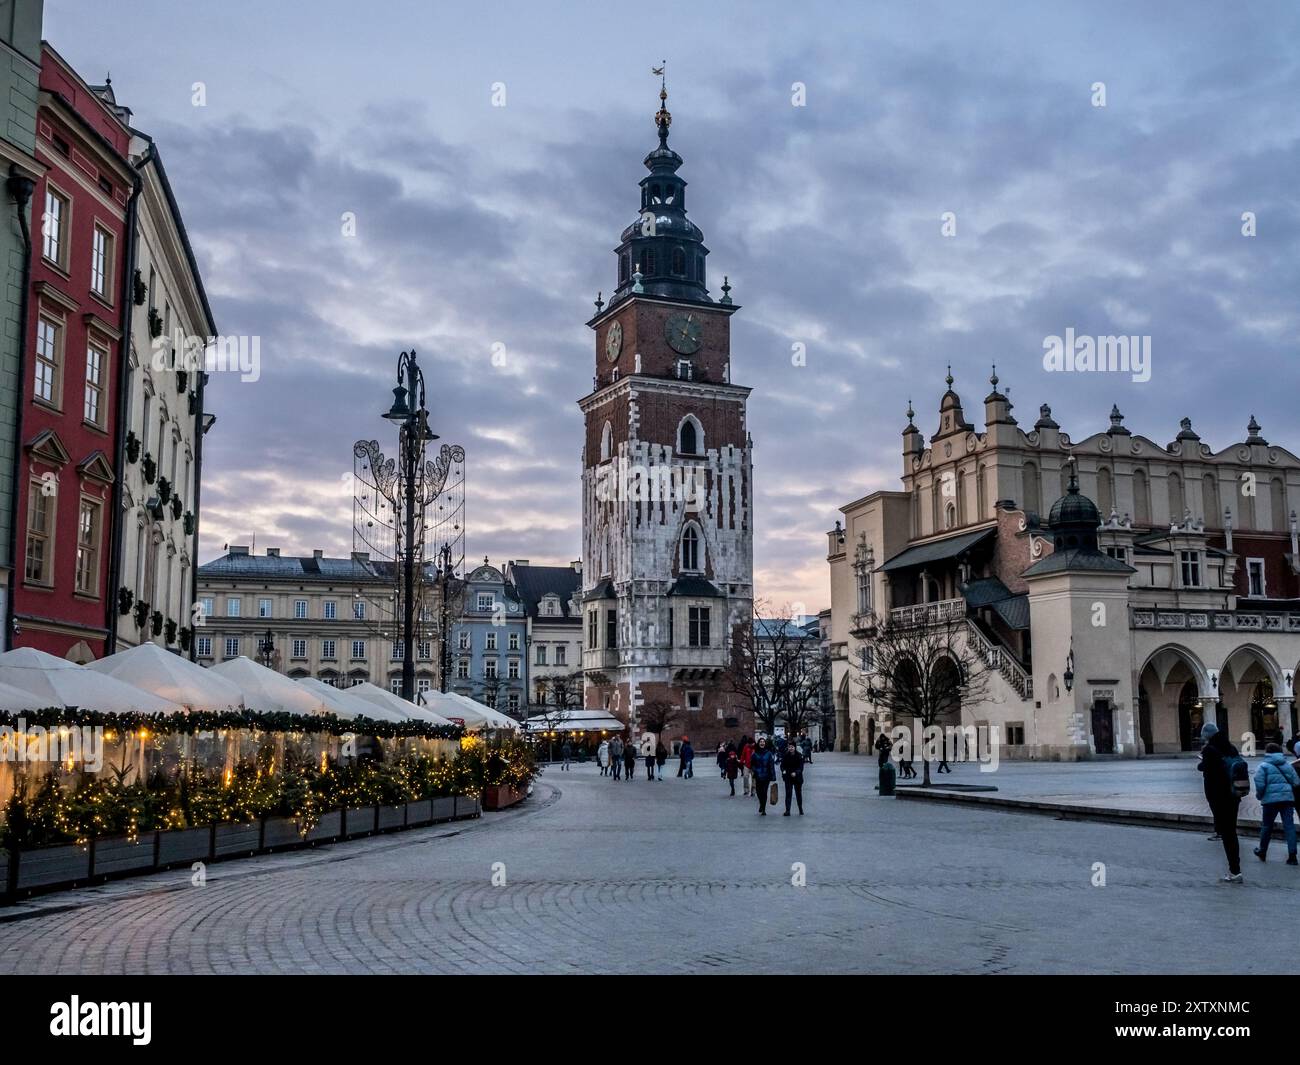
{"points": [[762, 764], [1223, 770], [1275, 788]]}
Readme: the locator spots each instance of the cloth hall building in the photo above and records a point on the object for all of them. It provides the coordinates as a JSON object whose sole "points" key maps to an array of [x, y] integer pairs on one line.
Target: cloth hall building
{"points": [[1163, 583]]}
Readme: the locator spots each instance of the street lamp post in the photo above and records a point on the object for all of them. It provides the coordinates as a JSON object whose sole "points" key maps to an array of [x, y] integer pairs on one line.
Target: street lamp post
{"points": [[412, 418], [266, 649]]}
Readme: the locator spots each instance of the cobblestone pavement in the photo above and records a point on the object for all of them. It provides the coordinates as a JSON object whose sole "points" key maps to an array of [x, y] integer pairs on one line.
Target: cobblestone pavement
{"points": [[605, 876]]}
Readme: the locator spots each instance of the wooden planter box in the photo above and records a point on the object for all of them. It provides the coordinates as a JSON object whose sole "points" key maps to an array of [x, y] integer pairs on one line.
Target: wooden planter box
{"points": [[361, 821], [499, 796], [392, 817], [59, 864], [280, 832], [238, 839], [117, 854], [329, 827], [184, 845], [419, 813], [444, 809], [467, 806]]}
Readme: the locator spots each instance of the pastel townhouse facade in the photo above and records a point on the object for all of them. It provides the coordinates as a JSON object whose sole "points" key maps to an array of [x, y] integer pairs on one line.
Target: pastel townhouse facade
{"points": [[488, 647], [552, 599], [20, 65], [69, 418], [1159, 590]]}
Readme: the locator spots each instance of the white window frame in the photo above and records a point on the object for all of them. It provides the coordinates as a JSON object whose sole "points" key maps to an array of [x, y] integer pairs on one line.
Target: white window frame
{"points": [[1256, 565], [265, 608]]}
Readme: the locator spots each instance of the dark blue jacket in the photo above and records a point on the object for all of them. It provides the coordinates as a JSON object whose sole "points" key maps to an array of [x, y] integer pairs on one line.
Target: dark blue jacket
{"points": [[687, 752], [763, 764]]}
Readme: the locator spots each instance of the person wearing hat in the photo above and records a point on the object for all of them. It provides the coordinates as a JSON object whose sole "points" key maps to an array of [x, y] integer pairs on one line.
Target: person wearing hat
{"points": [[1219, 794]]}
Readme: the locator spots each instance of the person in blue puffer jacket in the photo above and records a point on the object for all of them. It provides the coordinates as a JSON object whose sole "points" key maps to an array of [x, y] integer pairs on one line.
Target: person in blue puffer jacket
{"points": [[1275, 782], [763, 765]]}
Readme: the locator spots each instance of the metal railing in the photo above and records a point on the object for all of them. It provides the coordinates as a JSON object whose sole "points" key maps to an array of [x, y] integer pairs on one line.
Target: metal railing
{"points": [[1001, 659]]}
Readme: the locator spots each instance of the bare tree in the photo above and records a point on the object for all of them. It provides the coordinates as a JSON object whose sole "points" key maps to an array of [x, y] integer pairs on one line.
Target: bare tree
{"points": [[657, 714], [778, 668], [919, 668], [558, 697]]}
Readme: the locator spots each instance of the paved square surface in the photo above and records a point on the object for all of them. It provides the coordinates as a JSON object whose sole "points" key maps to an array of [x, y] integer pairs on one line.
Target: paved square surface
{"points": [[605, 876]]}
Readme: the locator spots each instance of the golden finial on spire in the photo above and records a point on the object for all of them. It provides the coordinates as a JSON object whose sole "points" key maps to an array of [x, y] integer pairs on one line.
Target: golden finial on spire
{"points": [[663, 118]]}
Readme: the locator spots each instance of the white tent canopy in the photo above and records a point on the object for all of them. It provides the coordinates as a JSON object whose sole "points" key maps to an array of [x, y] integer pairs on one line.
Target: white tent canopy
{"points": [[345, 704], [477, 714], [575, 720], [395, 704], [267, 691], [58, 682], [171, 677], [17, 700]]}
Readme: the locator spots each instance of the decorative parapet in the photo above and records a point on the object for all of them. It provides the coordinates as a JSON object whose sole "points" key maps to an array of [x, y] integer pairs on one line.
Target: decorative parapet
{"points": [[1215, 620]]}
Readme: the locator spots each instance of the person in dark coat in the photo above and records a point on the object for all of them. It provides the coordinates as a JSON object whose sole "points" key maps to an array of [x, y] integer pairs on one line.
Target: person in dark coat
{"points": [[792, 774], [732, 769], [687, 759], [883, 746], [722, 760], [661, 756], [566, 752], [1219, 794], [615, 757], [762, 763], [629, 760]]}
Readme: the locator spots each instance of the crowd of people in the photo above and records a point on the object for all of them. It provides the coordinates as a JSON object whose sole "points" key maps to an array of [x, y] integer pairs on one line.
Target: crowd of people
{"points": [[757, 763], [1227, 781]]}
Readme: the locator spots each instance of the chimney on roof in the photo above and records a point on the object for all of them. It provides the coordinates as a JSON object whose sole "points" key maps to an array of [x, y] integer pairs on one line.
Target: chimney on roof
{"points": [[241, 549], [360, 556], [577, 565], [272, 552], [519, 562], [318, 553]]}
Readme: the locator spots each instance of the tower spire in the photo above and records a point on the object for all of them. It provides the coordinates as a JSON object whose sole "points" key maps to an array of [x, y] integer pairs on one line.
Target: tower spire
{"points": [[663, 117]]}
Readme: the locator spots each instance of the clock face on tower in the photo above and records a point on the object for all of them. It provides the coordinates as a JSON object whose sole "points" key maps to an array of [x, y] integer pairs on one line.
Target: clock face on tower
{"points": [[614, 341], [683, 333]]}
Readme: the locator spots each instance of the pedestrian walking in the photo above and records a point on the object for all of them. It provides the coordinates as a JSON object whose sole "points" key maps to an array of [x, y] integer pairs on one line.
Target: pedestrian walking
{"points": [[566, 752], [1276, 784], [629, 760], [732, 769], [687, 758], [602, 756], [746, 760], [806, 745], [722, 759], [648, 752], [762, 764], [792, 774], [616, 757], [1218, 756], [883, 746], [661, 756], [905, 764]]}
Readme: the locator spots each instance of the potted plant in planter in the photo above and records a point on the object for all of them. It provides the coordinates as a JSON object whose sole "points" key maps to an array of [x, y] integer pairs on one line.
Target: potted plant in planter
{"points": [[141, 613], [149, 468], [177, 506], [155, 323], [164, 489], [171, 630], [140, 289], [182, 380], [132, 447], [187, 637], [189, 523], [157, 623], [125, 597], [194, 402]]}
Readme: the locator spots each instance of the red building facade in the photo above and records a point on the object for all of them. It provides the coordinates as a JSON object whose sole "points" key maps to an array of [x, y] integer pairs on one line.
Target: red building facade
{"points": [[71, 369]]}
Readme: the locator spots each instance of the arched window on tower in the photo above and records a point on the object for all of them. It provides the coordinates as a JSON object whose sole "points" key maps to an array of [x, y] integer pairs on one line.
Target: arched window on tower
{"points": [[670, 194], [624, 268], [1031, 493], [654, 194], [606, 442], [699, 269], [679, 262], [690, 557], [690, 437], [649, 268]]}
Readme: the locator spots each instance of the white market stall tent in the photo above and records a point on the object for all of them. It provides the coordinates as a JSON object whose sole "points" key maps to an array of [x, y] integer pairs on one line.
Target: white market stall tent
{"points": [[476, 714], [395, 704], [266, 691], [171, 677], [56, 682], [346, 705]]}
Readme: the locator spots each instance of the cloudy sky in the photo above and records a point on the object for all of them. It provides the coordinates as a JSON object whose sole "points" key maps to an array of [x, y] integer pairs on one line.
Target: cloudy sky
{"points": [[479, 225]]}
